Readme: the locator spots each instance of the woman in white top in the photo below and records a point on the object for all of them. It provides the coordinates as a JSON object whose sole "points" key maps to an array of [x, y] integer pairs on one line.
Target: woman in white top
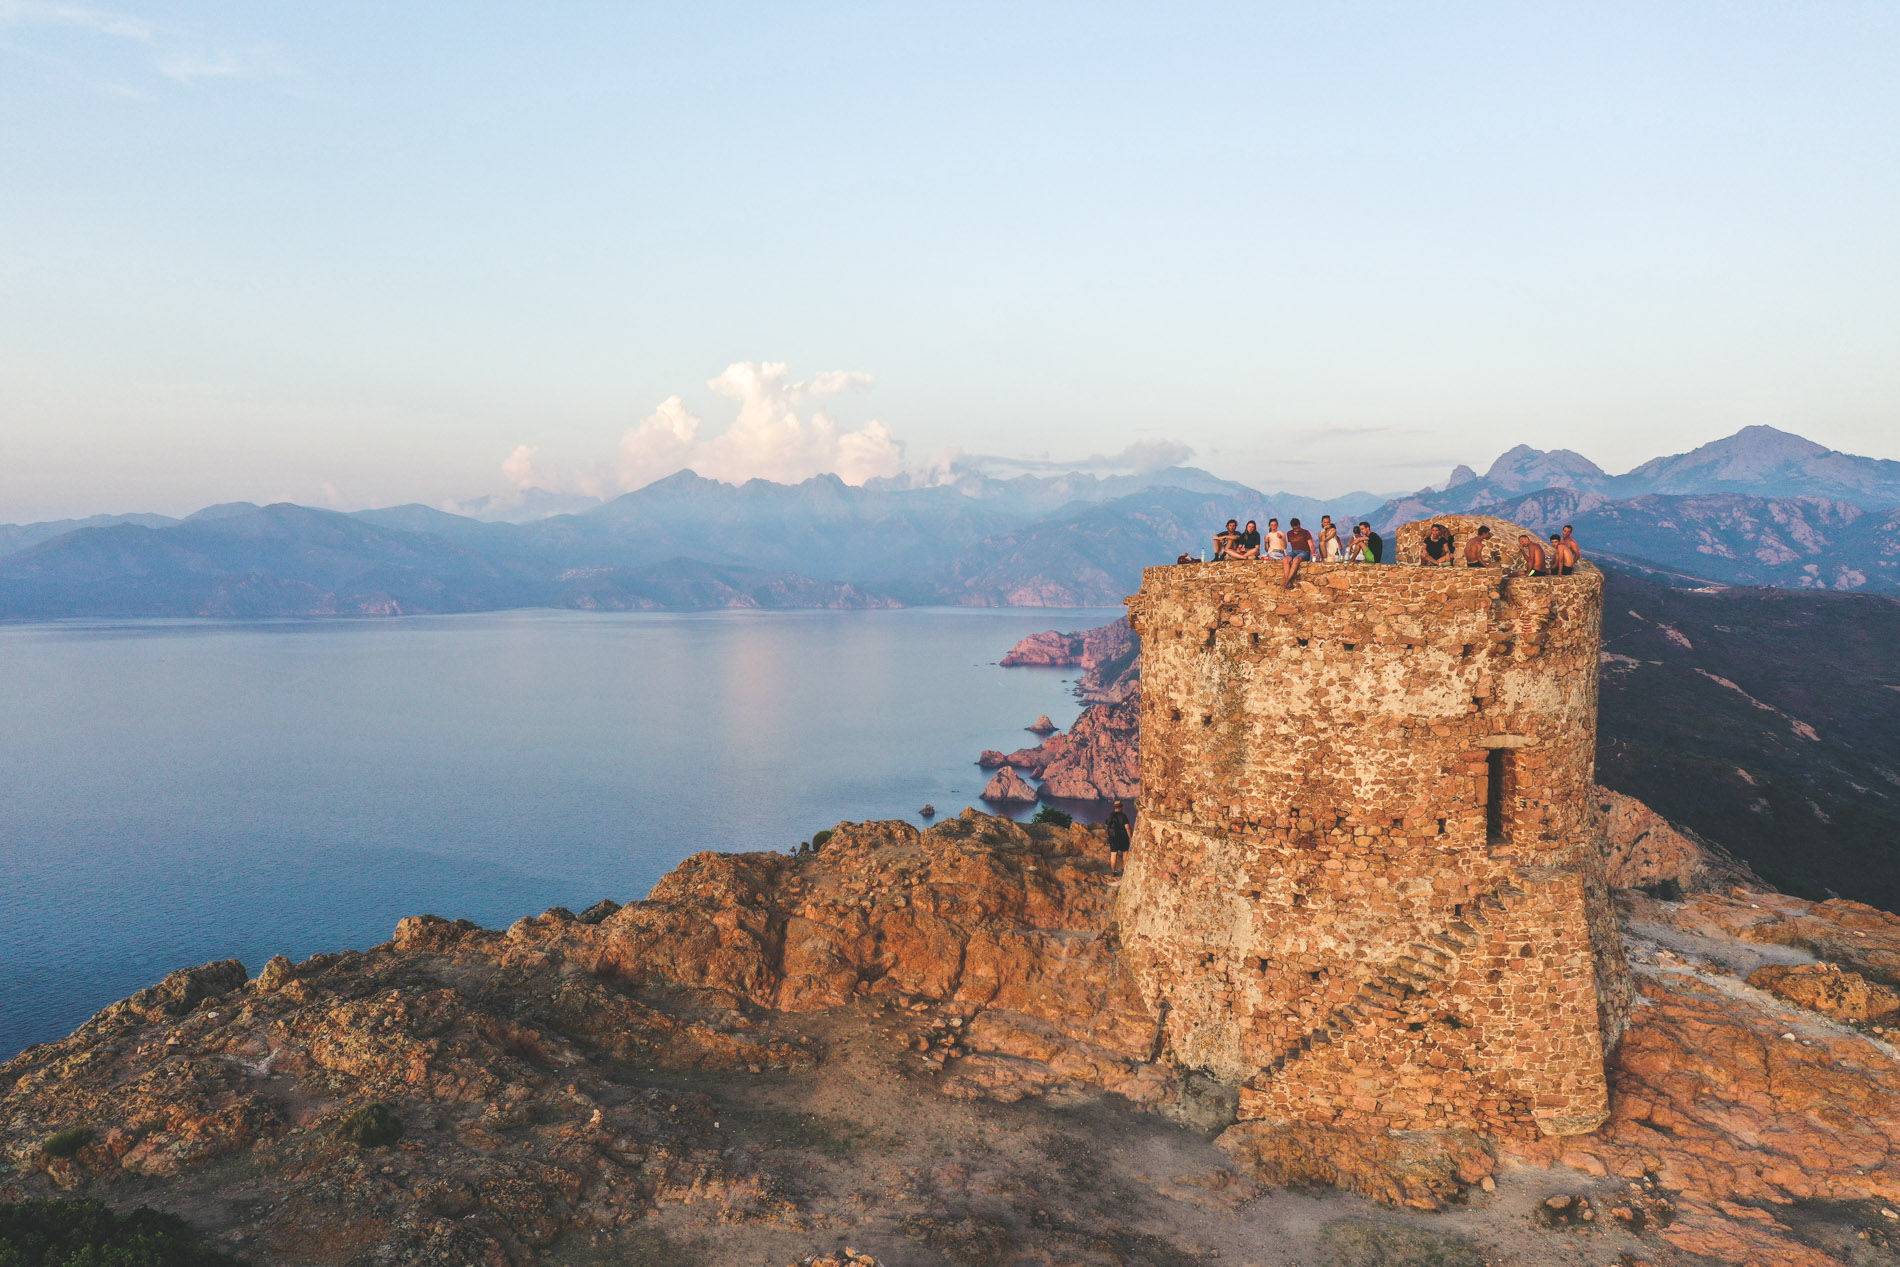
{"points": [[1273, 546], [1330, 550]]}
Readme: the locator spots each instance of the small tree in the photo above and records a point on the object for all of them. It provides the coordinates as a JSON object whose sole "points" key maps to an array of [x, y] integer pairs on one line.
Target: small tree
{"points": [[1054, 817]]}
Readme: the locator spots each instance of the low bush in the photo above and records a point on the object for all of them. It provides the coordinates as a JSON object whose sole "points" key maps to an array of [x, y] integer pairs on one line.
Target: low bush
{"points": [[1053, 816], [818, 839], [67, 1143], [87, 1234], [375, 1125]]}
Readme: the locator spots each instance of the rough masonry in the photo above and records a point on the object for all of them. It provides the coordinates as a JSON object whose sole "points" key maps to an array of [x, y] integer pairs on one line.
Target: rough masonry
{"points": [[1367, 884]]}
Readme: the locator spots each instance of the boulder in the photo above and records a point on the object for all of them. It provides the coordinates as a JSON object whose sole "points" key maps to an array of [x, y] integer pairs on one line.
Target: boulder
{"points": [[1009, 788], [1827, 989]]}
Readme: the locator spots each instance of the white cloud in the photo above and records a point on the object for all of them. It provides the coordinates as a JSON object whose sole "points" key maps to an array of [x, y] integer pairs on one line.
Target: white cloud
{"points": [[99, 21], [777, 435], [519, 467], [780, 433], [173, 54], [662, 444], [772, 439]]}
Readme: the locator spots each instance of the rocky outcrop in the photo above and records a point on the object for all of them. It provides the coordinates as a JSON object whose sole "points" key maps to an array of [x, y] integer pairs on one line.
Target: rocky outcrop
{"points": [[1089, 648], [1646, 851], [1828, 989], [1009, 788], [1042, 725], [1097, 759], [1049, 650], [771, 1051], [521, 1064]]}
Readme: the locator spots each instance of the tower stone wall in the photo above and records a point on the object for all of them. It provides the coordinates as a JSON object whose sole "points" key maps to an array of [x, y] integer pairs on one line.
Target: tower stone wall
{"points": [[1367, 885]]}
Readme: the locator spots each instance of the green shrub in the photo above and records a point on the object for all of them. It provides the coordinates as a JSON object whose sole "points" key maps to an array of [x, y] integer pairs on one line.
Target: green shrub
{"points": [[67, 1143], [1053, 816], [87, 1234], [375, 1125], [818, 839]]}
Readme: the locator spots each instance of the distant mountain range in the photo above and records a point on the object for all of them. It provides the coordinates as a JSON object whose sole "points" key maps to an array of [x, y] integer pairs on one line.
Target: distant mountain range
{"points": [[1761, 507]]}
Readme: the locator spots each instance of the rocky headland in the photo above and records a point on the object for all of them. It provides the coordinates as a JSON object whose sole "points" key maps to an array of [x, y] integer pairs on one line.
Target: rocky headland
{"points": [[924, 1044], [1097, 759]]}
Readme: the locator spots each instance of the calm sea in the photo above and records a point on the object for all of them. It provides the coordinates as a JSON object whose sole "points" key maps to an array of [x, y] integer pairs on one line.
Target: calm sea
{"points": [[176, 792]]}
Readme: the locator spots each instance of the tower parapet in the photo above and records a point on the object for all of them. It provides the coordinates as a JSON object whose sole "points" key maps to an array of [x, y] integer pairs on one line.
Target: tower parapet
{"points": [[1367, 885]]}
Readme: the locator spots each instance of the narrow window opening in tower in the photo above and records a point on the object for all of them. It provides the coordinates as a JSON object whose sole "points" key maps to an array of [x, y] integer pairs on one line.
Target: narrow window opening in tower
{"points": [[1494, 762]]}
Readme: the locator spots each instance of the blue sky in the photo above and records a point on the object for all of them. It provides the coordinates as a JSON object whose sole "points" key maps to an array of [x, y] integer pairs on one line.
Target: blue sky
{"points": [[362, 254]]}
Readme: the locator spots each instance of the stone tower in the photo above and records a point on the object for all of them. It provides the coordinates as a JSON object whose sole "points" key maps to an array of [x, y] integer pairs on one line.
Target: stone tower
{"points": [[1366, 884]]}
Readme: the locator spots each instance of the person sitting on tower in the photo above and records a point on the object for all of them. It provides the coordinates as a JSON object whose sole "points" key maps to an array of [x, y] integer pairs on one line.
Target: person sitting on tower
{"points": [[1299, 549], [1436, 550], [1531, 554], [1569, 553], [1224, 539], [1475, 544], [1247, 544]]}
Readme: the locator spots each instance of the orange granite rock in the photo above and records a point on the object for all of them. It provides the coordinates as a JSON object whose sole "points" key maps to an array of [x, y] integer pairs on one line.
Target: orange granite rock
{"points": [[1827, 989]]}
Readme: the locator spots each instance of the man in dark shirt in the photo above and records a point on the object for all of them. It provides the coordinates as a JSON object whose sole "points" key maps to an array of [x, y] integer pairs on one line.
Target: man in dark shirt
{"points": [[1375, 544], [1224, 539], [1247, 544], [1436, 550]]}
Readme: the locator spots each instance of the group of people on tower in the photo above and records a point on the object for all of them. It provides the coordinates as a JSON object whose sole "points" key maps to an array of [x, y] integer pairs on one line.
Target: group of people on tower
{"points": [[1298, 544], [1439, 548]]}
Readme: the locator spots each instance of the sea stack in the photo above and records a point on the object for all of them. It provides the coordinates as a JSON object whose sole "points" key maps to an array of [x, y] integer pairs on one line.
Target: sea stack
{"points": [[1009, 788]]}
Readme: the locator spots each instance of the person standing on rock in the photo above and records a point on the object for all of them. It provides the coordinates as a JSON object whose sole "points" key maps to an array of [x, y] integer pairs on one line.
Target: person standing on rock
{"points": [[1117, 838]]}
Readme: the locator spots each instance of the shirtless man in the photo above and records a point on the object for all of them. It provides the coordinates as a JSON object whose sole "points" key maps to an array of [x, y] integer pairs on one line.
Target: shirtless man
{"points": [[1536, 563], [1569, 553], [1299, 549], [1474, 547], [1247, 544], [1224, 539]]}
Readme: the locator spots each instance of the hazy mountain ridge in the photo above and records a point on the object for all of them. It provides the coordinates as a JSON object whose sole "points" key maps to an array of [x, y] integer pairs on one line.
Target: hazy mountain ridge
{"points": [[288, 560], [1074, 539]]}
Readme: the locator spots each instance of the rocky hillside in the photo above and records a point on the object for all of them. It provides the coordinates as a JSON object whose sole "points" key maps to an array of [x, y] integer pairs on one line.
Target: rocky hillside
{"points": [[1766, 720], [922, 1044]]}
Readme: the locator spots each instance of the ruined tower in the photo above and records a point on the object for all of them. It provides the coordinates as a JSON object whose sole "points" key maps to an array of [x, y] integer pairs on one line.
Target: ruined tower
{"points": [[1366, 884]]}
